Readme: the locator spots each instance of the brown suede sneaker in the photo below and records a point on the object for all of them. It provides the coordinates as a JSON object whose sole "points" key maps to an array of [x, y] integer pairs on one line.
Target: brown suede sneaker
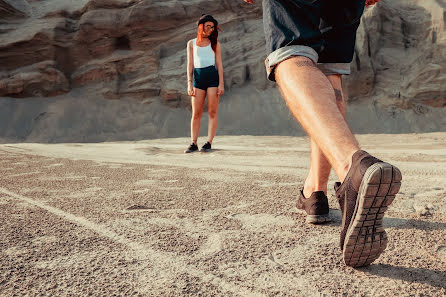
{"points": [[368, 189], [316, 207]]}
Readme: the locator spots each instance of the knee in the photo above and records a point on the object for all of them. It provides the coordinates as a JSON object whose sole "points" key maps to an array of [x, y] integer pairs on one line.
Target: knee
{"points": [[196, 116], [212, 113]]}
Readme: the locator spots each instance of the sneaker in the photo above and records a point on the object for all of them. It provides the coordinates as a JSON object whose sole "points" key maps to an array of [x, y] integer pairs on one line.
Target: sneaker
{"points": [[316, 207], [206, 147], [192, 148], [368, 189]]}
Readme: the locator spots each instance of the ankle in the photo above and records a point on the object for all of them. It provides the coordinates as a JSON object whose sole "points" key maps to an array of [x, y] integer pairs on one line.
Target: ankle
{"points": [[310, 188], [344, 167]]}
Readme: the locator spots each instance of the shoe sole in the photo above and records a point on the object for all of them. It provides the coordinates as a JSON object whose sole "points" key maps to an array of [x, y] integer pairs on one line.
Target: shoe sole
{"points": [[317, 219], [366, 238]]}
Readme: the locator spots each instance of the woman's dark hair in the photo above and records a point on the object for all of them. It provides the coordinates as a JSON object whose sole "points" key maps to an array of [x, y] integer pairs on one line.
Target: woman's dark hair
{"points": [[214, 35]]}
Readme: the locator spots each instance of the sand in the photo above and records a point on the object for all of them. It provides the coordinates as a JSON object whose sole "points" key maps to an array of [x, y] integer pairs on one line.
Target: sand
{"points": [[143, 219]]}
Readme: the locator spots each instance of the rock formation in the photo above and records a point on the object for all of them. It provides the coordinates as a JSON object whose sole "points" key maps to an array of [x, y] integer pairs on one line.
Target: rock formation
{"points": [[84, 52]]}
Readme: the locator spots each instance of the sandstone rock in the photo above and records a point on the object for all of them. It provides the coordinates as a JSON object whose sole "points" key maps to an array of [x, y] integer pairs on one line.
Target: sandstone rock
{"points": [[136, 49], [38, 80], [400, 53], [13, 9]]}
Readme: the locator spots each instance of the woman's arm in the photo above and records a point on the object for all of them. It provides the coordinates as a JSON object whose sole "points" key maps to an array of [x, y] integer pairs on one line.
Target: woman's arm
{"points": [[219, 64], [190, 68]]}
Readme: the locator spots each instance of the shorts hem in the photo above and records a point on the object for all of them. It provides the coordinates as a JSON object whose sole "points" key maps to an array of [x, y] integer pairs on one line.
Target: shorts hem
{"points": [[286, 52], [334, 68]]}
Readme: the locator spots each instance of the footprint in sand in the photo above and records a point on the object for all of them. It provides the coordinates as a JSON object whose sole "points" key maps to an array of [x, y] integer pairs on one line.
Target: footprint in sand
{"points": [[441, 252], [137, 207], [144, 182], [212, 245], [262, 221]]}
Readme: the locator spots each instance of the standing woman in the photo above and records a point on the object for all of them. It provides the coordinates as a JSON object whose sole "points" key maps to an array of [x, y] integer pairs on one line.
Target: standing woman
{"points": [[205, 66]]}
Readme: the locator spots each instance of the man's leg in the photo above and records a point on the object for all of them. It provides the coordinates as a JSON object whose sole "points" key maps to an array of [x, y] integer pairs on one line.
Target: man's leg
{"points": [[317, 178], [312, 100], [368, 186], [294, 36]]}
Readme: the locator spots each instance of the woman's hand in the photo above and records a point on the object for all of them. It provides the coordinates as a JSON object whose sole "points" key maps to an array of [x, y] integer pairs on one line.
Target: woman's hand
{"points": [[190, 90], [220, 90], [371, 2]]}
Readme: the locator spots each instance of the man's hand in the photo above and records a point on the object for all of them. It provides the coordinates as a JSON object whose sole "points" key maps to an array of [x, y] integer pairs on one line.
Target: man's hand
{"points": [[249, 1], [369, 2]]}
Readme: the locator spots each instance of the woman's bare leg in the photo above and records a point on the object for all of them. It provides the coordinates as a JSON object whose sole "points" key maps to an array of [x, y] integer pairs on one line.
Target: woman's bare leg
{"points": [[213, 100], [197, 112]]}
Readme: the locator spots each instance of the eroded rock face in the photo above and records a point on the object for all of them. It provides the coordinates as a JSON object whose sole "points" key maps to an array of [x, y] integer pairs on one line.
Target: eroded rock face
{"points": [[401, 54], [124, 49], [13, 9], [37, 80]]}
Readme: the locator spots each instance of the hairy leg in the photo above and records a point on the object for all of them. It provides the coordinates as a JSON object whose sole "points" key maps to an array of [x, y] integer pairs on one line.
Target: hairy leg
{"points": [[213, 100], [312, 100], [317, 178], [197, 112]]}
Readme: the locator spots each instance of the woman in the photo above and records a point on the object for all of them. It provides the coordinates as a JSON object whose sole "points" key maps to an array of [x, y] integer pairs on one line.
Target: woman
{"points": [[205, 66]]}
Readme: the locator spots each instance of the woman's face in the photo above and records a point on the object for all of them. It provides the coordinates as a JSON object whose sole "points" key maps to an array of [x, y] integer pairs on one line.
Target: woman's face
{"points": [[208, 28]]}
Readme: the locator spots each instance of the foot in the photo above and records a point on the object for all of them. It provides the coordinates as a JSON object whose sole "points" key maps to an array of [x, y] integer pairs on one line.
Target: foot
{"points": [[316, 207], [206, 147], [192, 148], [368, 189]]}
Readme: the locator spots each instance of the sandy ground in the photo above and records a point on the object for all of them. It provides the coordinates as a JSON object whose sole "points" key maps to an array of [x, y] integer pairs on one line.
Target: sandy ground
{"points": [[144, 219]]}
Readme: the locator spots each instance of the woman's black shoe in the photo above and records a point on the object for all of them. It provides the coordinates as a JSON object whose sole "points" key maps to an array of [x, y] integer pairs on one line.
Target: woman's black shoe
{"points": [[206, 147], [192, 148]]}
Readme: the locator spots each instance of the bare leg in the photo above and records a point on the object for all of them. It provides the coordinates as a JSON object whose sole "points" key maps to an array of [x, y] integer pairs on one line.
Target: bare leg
{"points": [[312, 100], [317, 178], [213, 100], [197, 112]]}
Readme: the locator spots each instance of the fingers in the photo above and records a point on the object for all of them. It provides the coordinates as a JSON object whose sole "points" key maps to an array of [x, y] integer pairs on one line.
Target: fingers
{"points": [[371, 2]]}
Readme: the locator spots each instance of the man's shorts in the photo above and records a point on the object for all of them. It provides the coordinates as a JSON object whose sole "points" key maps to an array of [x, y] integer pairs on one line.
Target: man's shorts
{"points": [[206, 77], [322, 30]]}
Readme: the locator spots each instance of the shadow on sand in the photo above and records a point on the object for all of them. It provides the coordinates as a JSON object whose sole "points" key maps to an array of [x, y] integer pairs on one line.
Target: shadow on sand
{"points": [[397, 223], [435, 278]]}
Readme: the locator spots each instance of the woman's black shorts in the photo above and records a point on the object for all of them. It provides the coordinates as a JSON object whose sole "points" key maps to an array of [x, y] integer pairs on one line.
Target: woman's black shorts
{"points": [[206, 77]]}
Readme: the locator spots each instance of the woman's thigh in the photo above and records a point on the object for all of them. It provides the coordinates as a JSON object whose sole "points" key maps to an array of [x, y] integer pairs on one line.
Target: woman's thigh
{"points": [[213, 99], [198, 100]]}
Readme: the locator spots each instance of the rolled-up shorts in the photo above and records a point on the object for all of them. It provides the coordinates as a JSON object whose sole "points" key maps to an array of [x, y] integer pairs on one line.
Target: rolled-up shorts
{"points": [[206, 77], [321, 30]]}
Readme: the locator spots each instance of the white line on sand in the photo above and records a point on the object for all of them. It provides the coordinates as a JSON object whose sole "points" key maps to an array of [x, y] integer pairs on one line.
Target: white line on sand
{"points": [[161, 260]]}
